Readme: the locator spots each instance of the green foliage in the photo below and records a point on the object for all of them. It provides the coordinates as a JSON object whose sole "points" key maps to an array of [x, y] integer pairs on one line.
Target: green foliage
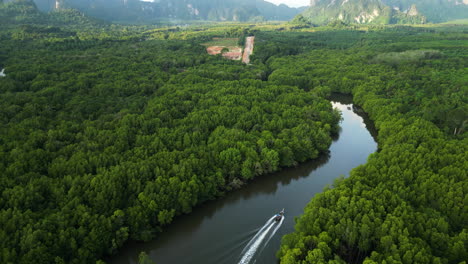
{"points": [[227, 42], [405, 18], [25, 12], [107, 135], [299, 20], [436, 11], [337, 24], [348, 11], [143, 258], [407, 204], [109, 132], [396, 58], [385, 11], [457, 22]]}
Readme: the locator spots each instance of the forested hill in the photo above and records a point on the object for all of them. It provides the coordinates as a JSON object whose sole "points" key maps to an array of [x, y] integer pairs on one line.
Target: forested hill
{"points": [[177, 10], [435, 11], [385, 11], [26, 13]]}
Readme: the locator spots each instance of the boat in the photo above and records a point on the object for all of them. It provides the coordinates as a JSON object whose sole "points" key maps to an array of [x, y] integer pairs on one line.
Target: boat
{"points": [[279, 216]]}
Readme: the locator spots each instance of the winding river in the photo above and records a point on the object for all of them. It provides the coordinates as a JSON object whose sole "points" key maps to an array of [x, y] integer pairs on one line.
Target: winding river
{"points": [[224, 231]]}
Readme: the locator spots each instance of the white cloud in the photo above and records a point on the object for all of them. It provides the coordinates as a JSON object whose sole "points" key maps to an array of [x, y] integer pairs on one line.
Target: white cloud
{"points": [[291, 3]]}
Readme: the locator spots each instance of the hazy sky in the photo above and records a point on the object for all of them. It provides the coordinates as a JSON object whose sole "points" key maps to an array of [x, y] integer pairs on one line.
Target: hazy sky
{"points": [[291, 3]]}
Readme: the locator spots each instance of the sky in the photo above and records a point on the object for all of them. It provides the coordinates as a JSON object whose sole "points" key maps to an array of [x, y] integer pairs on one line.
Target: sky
{"points": [[291, 3]]}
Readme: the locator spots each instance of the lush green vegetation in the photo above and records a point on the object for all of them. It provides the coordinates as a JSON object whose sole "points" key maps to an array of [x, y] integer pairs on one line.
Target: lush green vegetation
{"points": [[436, 11], [457, 22], [107, 134], [323, 12], [408, 203], [226, 42]]}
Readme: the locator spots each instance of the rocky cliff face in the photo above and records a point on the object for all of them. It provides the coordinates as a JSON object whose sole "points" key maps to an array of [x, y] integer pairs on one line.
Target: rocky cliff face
{"points": [[349, 11], [385, 11], [435, 10], [319, 12]]}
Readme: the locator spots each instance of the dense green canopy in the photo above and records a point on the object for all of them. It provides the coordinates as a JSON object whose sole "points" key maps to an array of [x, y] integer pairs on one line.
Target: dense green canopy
{"points": [[408, 203], [108, 132], [108, 135]]}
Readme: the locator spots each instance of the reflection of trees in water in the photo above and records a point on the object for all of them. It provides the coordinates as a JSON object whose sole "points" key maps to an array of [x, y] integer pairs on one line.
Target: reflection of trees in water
{"points": [[341, 98], [367, 121], [348, 100], [266, 184], [337, 136]]}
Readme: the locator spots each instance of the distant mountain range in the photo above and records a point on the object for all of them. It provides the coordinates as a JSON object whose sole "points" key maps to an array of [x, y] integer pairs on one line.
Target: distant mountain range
{"points": [[385, 11], [434, 10], [31, 21], [213, 10], [320, 12]]}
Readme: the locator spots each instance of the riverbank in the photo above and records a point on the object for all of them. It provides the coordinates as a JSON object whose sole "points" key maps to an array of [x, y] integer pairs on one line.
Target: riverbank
{"points": [[233, 220]]}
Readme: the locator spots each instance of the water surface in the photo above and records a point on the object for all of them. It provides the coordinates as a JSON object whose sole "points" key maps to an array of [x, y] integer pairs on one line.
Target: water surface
{"points": [[218, 231]]}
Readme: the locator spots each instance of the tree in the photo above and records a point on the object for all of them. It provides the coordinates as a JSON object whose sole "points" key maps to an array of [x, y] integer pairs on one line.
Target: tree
{"points": [[143, 258]]}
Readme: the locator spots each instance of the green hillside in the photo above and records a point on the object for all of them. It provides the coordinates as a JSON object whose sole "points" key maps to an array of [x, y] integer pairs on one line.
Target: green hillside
{"points": [[435, 11], [21, 12], [322, 12]]}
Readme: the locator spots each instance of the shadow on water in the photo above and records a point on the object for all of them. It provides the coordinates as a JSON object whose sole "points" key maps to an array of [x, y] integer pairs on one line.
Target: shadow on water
{"points": [[348, 100], [218, 230], [266, 184]]}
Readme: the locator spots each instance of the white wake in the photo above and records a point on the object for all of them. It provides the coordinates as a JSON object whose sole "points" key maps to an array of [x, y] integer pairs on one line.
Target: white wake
{"points": [[258, 234], [274, 232], [253, 245]]}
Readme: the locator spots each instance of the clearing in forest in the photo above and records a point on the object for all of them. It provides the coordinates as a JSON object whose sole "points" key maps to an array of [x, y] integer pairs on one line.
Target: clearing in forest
{"points": [[231, 48], [249, 45]]}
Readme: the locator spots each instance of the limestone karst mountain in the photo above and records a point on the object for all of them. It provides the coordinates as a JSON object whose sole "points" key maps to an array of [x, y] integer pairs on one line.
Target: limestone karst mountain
{"points": [[359, 11], [434, 10], [144, 11], [385, 11]]}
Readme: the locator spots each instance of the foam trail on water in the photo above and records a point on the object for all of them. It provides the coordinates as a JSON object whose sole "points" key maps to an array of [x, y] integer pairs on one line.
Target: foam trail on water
{"points": [[253, 248], [258, 234], [239, 242], [273, 233]]}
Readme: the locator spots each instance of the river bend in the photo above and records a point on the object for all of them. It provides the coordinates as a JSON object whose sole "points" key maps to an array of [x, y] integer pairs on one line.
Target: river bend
{"points": [[218, 231]]}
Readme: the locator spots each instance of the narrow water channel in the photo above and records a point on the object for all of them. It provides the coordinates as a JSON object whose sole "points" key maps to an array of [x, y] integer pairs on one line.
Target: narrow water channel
{"points": [[218, 231]]}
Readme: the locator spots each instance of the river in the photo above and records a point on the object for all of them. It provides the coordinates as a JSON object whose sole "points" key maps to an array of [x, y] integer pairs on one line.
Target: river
{"points": [[218, 231]]}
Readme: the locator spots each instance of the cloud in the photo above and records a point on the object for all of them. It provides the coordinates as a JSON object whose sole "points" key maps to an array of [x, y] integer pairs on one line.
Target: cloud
{"points": [[291, 3]]}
